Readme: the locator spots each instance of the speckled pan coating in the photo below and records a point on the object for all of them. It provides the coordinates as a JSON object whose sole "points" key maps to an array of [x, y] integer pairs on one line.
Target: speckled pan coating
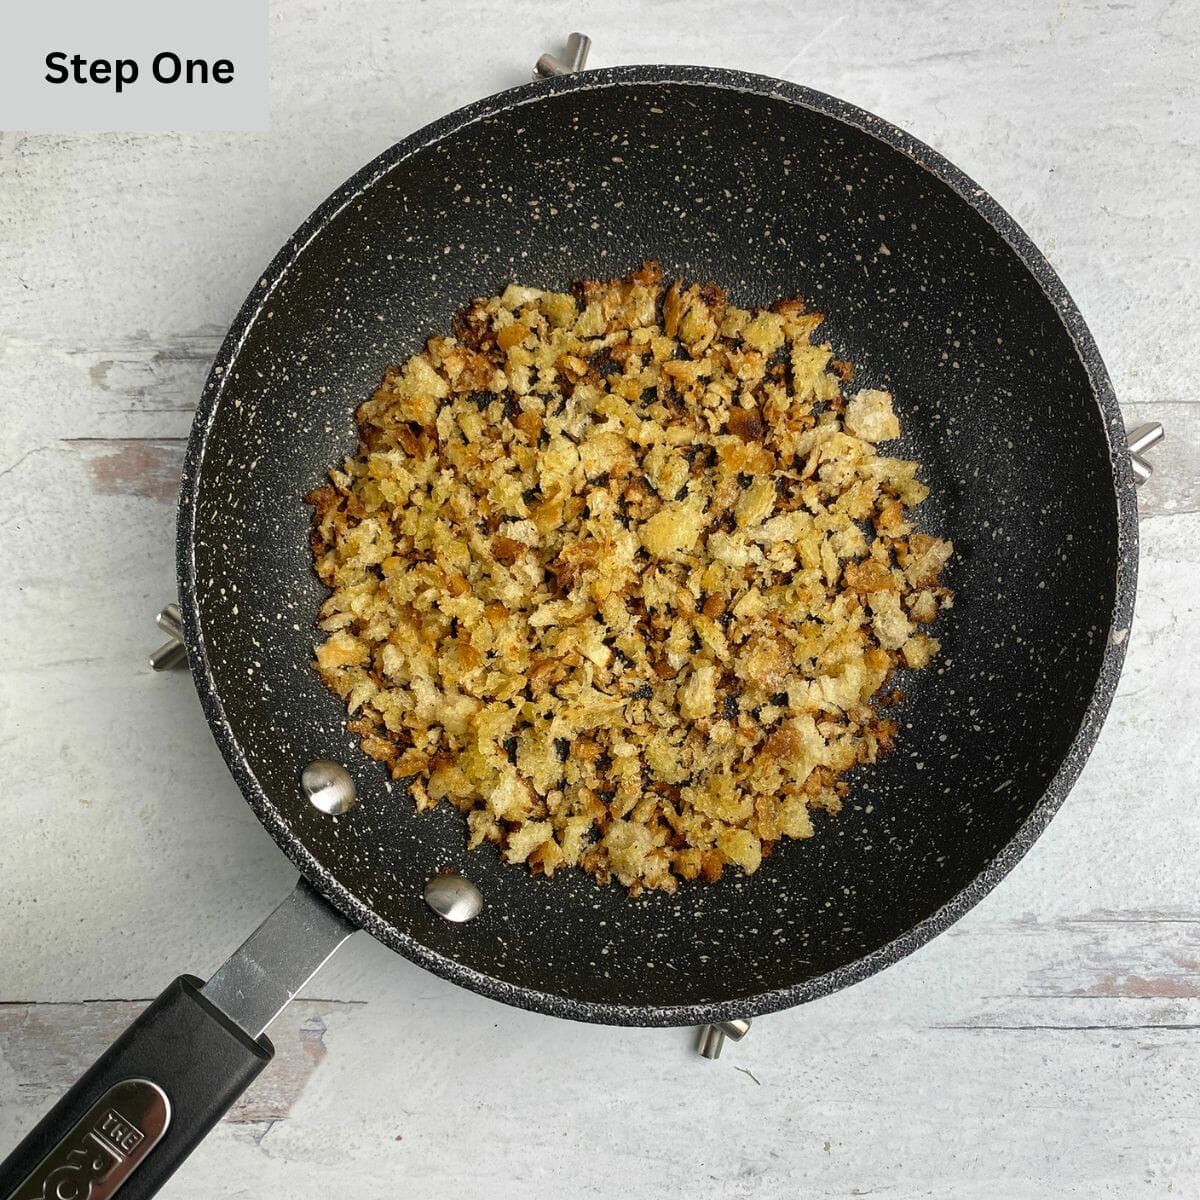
{"points": [[773, 190]]}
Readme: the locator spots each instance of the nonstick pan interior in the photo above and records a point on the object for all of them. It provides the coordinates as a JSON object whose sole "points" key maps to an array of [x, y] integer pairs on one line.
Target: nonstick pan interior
{"points": [[771, 191]]}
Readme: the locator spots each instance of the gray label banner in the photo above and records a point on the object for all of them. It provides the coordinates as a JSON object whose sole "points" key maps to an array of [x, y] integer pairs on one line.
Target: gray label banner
{"points": [[134, 65]]}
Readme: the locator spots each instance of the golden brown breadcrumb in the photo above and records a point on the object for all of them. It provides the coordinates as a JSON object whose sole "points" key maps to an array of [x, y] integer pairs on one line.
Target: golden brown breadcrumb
{"points": [[618, 574]]}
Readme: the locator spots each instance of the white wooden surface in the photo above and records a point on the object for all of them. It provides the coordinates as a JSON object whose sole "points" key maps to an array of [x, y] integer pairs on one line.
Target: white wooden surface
{"points": [[1049, 1045]]}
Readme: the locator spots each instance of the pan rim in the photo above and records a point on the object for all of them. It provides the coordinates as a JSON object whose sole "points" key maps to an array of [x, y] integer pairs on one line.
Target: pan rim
{"points": [[1059, 785]]}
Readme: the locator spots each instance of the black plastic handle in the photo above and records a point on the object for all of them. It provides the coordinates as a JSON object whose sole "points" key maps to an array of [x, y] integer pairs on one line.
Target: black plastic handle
{"points": [[141, 1110]]}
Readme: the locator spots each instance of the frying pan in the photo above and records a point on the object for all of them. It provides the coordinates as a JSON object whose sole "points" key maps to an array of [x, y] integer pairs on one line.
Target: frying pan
{"points": [[772, 190]]}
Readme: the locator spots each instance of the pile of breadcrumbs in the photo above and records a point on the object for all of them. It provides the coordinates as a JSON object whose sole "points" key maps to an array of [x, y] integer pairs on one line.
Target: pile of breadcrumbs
{"points": [[619, 574]]}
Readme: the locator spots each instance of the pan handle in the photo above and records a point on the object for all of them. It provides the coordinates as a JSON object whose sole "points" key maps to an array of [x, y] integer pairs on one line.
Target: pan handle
{"points": [[169, 1078]]}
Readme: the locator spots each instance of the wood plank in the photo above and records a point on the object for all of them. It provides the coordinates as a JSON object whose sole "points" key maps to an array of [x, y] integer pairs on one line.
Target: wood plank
{"points": [[844, 1099], [162, 374], [146, 467], [151, 388], [46, 1047]]}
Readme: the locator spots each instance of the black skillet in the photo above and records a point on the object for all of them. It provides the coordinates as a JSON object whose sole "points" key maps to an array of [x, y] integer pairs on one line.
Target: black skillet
{"points": [[772, 190]]}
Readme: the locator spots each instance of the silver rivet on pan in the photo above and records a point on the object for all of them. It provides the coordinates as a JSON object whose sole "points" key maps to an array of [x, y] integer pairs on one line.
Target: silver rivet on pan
{"points": [[328, 786], [712, 1037], [453, 898]]}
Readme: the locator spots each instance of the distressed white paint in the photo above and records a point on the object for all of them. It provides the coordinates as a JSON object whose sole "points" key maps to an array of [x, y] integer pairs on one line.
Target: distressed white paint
{"points": [[1048, 1045]]}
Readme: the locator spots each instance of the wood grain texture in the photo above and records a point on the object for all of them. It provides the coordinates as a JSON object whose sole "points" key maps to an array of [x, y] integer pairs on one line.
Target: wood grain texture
{"points": [[48, 1046], [147, 467], [1048, 1045]]}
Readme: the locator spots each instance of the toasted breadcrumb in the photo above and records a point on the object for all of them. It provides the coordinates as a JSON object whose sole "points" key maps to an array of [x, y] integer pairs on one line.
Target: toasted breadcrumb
{"points": [[618, 574]]}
